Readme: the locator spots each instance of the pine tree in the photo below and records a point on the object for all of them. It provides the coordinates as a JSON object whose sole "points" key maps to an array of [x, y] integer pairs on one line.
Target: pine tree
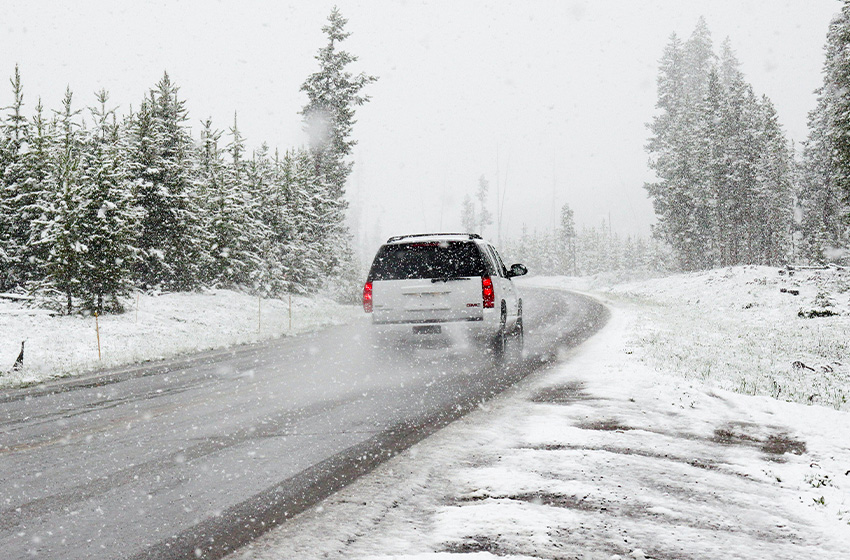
{"points": [[698, 59], [277, 220], [40, 166], [231, 207], [671, 148], [774, 203], [485, 218], [468, 219], [107, 218], [160, 161], [211, 186], [825, 170], [566, 241], [303, 255], [333, 94], [60, 226], [17, 192], [256, 194]]}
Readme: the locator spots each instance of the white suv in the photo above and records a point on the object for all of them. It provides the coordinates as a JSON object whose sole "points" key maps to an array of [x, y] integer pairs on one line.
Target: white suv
{"points": [[446, 285]]}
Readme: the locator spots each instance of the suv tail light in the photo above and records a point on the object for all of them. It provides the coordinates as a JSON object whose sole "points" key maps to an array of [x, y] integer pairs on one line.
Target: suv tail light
{"points": [[367, 297], [486, 292]]}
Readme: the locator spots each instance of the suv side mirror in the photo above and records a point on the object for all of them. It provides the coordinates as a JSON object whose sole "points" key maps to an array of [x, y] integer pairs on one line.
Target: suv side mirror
{"points": [[517, 270]]}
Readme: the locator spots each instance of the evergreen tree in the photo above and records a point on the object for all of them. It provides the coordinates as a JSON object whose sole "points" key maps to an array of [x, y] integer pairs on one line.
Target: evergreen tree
{"points": [[774, 195], [17, 192], [257, 193], [41, 187], [231, 204], [672, 149], [60, 225], [212, 188], [160, 165], [825, 170], [468, 219], [485, 218], [698, 60], [277, 218], [303, 255], [107, 218], [566, 241], [333, 93]]}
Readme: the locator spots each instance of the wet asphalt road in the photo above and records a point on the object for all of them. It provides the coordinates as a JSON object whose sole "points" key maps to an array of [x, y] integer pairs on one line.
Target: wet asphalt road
{"points": [[196, 456]]}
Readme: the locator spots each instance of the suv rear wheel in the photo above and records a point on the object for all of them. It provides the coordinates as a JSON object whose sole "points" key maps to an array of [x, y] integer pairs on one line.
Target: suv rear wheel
{"points": [[519, 330], [500, 340]]}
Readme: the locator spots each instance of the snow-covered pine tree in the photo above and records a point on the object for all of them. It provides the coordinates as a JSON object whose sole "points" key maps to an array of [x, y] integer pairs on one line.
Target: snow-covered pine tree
{"points": [[303, 254], [17, 192], [819, 198], [774, 202], [824, 196], [7, 276], [836, 85], [468, 218], [160, 160], [212, 188], [142, 161], [41, 187], [333, 94], [698, 59], [671, 149], [229, 209], [741, 128], [258, 192], [712, 212], [566, 241], [276, 218], [107, 219], [485, 218], [59, 227]]}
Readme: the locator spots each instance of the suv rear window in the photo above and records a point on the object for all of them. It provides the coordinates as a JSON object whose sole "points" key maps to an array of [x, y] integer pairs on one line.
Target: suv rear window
{"points": [[451, 259]]}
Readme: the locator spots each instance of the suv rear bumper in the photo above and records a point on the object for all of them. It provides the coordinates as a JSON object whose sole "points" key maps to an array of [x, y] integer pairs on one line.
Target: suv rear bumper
{"points": [[457, 332]]}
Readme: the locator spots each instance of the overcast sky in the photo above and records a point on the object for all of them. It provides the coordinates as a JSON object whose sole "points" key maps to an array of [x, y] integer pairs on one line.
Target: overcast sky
{"points": [[553, 95]]}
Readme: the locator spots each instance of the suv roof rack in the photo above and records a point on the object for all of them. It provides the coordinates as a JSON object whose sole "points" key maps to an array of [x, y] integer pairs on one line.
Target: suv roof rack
{"points": [[400, 237]]}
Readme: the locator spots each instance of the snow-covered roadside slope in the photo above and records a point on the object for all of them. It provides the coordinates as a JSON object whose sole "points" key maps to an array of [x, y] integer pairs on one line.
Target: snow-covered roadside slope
{"points": [[162, 326], [752, 329], [602, 456]]}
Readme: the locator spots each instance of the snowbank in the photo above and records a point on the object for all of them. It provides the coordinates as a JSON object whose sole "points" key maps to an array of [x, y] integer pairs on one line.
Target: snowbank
{"points": [[153, 327]]}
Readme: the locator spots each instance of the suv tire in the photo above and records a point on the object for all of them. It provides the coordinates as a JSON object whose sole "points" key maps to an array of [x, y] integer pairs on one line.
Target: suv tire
{"points": [[500, 340]]}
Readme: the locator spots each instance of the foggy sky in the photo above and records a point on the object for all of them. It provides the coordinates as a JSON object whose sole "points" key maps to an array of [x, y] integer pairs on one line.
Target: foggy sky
{"points": [[553, 95]]}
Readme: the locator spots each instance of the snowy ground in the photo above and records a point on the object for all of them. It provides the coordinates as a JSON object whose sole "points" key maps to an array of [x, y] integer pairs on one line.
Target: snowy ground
{"points": [[154, 327], [754, 330], [625, 451]]}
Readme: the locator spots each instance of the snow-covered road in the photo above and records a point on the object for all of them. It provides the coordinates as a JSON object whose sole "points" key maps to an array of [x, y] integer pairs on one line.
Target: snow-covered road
{"points": [[203, 453], [598, 457]]}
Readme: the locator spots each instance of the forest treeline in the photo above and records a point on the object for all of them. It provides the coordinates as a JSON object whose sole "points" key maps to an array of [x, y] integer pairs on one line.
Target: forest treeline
{"points": [[587, 251], [730, 188], [724, 191], [94, 205]]}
